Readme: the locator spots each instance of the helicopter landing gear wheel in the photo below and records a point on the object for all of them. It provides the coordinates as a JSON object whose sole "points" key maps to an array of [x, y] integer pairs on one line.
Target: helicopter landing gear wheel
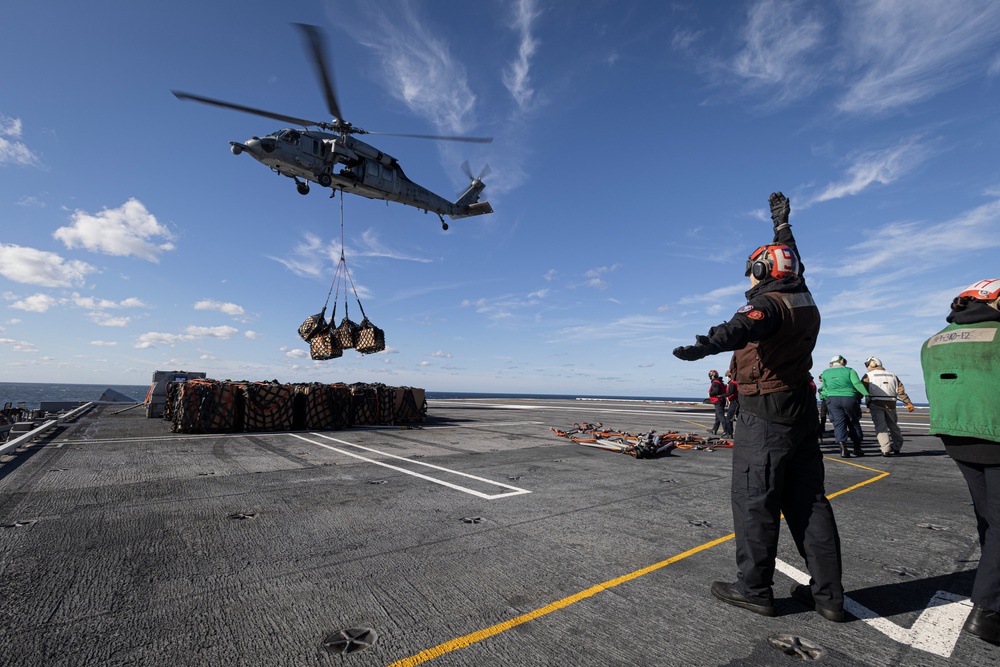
{"points": [[325, 180], [303, 188], [444, 225]]}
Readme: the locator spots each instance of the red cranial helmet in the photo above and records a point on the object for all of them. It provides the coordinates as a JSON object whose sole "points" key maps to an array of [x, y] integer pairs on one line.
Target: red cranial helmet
{"points": [[985, 290], [713, 375], [776, 261]]}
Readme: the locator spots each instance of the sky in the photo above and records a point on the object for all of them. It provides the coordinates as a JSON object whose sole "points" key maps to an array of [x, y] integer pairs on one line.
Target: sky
{"points": [[635, 147]]}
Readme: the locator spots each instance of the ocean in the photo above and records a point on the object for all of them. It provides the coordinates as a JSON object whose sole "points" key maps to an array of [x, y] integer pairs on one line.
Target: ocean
{"points": [[32, 394]]}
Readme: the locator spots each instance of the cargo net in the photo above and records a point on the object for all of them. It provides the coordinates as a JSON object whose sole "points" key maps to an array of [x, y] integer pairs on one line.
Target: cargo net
{"points": [[214, 406], [327, 341], [647, 445]]}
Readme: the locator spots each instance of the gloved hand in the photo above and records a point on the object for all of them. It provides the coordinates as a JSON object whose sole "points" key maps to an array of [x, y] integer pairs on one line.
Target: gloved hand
{"points": [[910, 407], [690, 352], [780, 208]]}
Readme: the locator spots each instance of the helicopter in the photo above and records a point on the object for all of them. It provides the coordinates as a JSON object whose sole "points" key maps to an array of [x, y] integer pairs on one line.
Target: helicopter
{"points": [[314, 155]]}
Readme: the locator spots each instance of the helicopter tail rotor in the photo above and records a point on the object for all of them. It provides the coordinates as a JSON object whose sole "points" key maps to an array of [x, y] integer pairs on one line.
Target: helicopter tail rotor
{"points": [[482, 174]]}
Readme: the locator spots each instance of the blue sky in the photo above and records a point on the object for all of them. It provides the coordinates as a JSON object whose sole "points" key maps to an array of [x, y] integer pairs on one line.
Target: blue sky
{"points": [[635, 146]]}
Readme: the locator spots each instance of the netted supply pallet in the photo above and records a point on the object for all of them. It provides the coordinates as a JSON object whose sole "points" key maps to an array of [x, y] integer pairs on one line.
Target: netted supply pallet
{"points": [[269, 406], [372, 404], [409, 405], [205, 406], [324, 406], [213, 406]]}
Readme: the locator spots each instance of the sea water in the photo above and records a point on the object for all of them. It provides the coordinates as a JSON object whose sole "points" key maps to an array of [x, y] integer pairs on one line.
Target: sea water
{"points": [[32, 394]]}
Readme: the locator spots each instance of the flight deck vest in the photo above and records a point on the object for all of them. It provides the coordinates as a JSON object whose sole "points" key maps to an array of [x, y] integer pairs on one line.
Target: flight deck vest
{"points": [[783, 361]]}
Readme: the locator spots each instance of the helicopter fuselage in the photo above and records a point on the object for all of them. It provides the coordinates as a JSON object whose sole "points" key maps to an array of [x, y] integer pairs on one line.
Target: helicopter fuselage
{"points": [[342, 162]]}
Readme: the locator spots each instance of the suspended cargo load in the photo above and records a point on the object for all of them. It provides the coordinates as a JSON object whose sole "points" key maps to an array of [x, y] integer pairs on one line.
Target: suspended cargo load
{"points": [[371, 339], [327, 341]]}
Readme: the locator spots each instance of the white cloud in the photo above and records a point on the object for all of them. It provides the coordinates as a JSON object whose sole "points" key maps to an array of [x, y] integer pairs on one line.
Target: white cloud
{"points": [[994, 68], [90, 303], [908, 52], [36, 303], [778, 38], [297, 353], [913, 247], [129, 230], [224, 332], [634, 328], [516, 77], [716, 295], [13, 151], [153, 338], [308, 257], [18, 345], [226, 308], [419, 70], [104, 343], [594, 278], [102, 319], [252, 335], [879, 166], [38, 267], [372, 246]]}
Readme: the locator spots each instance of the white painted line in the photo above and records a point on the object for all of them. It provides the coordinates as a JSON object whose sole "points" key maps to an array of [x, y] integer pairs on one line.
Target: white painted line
{"points": [[483, 425], [935, 631], [514, 491]]}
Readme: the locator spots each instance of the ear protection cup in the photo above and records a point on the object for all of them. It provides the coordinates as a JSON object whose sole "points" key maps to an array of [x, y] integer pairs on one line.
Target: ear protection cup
{"points": [[760, 269]]}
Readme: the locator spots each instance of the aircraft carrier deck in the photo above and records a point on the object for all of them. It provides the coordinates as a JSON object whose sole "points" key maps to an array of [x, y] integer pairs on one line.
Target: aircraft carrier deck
{"points": [[479, 539]]}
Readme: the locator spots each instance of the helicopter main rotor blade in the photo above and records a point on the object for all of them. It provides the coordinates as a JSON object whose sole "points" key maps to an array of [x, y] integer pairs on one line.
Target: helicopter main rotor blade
{"points": [[314, 38], [471, 140], [291, 120]]}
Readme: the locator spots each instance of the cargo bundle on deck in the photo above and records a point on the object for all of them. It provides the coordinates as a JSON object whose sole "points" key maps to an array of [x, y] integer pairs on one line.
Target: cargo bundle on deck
{"points": [[214, 406]]}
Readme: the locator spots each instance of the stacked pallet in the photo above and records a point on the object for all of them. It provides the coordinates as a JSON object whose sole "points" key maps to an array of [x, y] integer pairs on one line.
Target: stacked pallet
{"points": [[214, 406]]}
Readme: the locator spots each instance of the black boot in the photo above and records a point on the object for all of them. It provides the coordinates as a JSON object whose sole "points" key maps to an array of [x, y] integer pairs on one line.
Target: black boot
{"points": [[857, 449], [843, 450], [984, 624]]}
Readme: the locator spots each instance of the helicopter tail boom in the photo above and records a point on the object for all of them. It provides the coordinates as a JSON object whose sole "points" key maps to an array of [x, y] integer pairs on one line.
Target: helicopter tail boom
{"points": [[479, 208]]}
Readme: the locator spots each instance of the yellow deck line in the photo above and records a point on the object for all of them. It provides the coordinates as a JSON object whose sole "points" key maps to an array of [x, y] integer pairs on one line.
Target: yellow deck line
{"points": [[473, 637]]}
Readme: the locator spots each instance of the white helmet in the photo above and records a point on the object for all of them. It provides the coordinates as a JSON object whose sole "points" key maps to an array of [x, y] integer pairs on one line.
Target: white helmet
{"points": [[985, 290], [872, 361], [838, 360]]}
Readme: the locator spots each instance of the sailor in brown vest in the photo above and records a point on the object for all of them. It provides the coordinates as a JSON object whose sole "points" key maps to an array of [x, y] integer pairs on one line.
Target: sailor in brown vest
{"points": [[777, 464]]}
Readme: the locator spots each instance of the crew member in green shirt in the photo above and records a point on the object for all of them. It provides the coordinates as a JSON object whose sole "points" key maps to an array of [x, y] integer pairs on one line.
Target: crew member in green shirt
{"points": [[843, 390]]}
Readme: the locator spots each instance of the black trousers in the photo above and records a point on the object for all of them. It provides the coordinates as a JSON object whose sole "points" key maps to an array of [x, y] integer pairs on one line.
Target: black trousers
{"points": [[845, 413], [984, 486], [720, 417], [778, 468], [734, 406]]}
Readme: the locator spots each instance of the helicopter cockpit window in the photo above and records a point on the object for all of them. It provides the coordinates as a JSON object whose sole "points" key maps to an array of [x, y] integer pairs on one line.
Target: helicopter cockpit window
{"points": [[290, 136]]}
